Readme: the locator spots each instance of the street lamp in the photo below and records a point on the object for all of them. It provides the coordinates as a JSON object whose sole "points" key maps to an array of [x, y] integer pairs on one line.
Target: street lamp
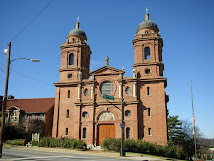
{"points": [[7, 52], [33, 60]]}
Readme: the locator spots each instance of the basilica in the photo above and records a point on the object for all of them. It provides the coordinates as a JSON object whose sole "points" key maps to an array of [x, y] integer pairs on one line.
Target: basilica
{"points": [[93, 106]]}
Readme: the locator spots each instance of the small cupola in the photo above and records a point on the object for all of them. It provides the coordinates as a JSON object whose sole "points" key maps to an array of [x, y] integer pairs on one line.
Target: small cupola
{"points": [[147, 24], [77, 32]]}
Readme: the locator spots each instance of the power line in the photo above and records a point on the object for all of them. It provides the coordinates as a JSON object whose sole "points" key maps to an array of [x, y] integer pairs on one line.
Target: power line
{"points": [[29, 23], [32, 78], [2, 79], [2, 70], [28, 76]]}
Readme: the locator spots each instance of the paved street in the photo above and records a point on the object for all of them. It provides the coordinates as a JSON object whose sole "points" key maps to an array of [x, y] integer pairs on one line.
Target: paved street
{"points": [[54, 154]]}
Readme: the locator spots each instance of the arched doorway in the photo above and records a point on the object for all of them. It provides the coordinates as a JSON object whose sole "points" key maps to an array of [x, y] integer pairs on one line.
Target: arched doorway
{"points": [[106, 127]]}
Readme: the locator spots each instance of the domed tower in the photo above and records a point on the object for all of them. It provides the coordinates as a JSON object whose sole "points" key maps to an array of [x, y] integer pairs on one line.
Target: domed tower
{"points": [[75, 55], [148, 50], [150, 83]]}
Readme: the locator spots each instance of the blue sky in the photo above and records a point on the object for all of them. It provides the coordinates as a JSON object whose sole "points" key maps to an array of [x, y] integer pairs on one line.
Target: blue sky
{"points": [[110, 25]]}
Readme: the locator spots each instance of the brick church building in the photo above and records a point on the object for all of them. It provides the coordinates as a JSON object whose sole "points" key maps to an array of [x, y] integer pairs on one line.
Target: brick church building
{"points": [[78, 115]]}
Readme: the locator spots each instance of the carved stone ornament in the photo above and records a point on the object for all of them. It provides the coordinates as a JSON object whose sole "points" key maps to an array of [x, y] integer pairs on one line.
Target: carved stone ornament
{"points": [[106, 116]]}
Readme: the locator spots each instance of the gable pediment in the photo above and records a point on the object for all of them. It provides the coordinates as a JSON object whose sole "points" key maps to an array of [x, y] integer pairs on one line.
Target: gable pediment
{"points": [[15, 108], [106, 70]]}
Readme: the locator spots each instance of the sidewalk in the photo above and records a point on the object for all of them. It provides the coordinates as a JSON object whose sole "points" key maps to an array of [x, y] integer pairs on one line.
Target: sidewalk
{"points": [[132, 156]]}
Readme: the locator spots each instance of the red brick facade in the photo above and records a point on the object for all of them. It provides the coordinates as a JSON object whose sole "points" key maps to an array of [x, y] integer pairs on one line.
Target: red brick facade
{"points": [[77, 116]]}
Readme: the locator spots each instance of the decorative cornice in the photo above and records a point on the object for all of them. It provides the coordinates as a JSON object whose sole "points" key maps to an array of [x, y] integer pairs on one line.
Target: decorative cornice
{"points": [[69, 69], [128, 102], [70, 45], [145, 39], [148, 63], [69, 83]]}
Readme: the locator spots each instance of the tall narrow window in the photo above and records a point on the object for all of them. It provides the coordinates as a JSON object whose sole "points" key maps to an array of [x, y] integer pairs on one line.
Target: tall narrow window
{"points": [[148, 91], [147, 53], [149, 112], [69, 93], [84, 133], [66, 131], [67, 114], [41, 117], [149, 131], [33, 116], [25, 117], [71, 59], [127, 133]]}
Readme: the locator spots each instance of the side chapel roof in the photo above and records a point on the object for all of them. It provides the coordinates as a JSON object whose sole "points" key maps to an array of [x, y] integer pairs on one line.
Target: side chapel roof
{"points": [[34, 105]]}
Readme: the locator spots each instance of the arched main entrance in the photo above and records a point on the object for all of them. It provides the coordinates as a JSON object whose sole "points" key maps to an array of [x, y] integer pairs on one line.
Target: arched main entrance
{"points": [[106, 127]]}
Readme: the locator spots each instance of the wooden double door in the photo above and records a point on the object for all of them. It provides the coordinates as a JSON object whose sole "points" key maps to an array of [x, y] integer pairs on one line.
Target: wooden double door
{"points": [[105, 132]]}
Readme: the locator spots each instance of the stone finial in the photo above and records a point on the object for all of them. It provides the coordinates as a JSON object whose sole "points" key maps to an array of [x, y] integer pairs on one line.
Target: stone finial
{"points": [[107, 61]]}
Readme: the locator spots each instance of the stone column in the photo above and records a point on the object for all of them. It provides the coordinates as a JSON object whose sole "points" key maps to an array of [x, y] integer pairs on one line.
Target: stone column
{"points": [[79, 91], [134, 89], [8, 116], [92, 91], [120, 90]]}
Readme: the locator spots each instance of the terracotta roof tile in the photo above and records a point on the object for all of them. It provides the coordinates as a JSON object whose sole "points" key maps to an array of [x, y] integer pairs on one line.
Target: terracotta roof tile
{"points": [[35, 105]]}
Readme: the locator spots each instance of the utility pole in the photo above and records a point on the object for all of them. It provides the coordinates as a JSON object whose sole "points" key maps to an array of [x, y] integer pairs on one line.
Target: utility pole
{"points": [[122, 152], [193, 117], [5, 98]]}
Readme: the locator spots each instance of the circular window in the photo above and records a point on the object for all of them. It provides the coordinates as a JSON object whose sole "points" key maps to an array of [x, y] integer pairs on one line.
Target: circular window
{"points": [[107, 88], [127, 113], [86, 92], [85, 114], [69, 75], [128, 90], [147, 71]]}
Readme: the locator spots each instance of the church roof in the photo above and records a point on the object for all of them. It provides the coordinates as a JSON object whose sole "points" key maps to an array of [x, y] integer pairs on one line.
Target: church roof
{"points": [[147, 23], [35, 105], [77, 31]]}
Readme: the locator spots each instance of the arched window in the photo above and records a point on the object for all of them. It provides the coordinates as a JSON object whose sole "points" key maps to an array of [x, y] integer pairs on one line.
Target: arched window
{"points": [[147, 53], [127, 133], [71, 59], [84, 133]]}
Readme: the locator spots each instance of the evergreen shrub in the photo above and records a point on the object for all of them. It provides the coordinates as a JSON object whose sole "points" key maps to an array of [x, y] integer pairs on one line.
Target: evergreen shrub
{"points": [[145, 148], [63, 142], [16, 142]]}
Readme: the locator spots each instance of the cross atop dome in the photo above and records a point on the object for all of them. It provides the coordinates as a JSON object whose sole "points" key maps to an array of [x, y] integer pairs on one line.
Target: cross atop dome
{"points": [[147, 14], [147, 10], [77, 23]]}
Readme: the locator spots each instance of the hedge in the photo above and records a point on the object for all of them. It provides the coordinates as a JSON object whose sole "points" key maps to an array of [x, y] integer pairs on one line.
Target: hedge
{"points": [[145, 148], [16, 142], [62, 142]]}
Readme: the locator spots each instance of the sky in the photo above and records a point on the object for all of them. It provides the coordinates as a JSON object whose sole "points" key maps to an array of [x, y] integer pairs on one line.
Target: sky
{"points": [[110, 25]]}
